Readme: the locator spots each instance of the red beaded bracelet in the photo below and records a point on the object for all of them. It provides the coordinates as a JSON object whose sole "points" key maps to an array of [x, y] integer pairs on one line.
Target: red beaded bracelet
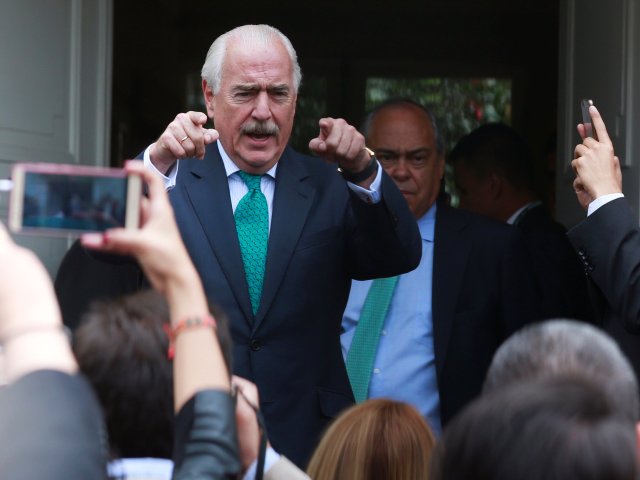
{"points": [[206, 321]]}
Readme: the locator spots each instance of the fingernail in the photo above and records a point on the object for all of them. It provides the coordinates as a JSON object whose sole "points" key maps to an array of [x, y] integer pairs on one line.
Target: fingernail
{"points": [[91, 239]]}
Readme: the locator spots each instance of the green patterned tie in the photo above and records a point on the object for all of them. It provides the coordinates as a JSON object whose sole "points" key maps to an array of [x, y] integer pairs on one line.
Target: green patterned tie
{"points": [[364, 346], [252, 225]]}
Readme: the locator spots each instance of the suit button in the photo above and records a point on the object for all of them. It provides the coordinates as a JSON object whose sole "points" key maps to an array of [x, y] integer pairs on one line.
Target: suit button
{"points": [[255, 345]]}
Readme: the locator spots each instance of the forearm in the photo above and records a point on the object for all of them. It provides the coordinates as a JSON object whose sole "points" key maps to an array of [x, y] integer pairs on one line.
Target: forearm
{"points": [[385, 239], [44, 348], [198, 362], [206, 440], [608, 243]]}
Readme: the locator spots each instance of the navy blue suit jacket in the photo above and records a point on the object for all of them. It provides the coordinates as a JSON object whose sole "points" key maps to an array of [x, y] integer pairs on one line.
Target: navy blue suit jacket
{"points": [[321, 237], [608, 244], [483, 291], [560, 278]]}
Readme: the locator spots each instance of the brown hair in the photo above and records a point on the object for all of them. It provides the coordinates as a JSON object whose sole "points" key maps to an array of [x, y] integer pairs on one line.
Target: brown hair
{"points": [[377, 439]]}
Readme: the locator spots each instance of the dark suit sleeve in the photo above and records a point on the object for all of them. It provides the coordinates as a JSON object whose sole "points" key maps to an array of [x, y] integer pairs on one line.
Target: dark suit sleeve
{"points": [[51, 427], [206, 445], [385, 239], [608, 243]]}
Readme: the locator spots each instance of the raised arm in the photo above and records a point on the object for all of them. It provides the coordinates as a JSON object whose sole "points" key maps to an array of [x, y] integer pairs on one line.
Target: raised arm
{"points": [[206, 441], [40, 370], [158, 247]]}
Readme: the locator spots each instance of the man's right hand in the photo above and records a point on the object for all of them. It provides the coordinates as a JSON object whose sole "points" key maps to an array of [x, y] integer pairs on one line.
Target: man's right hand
{"points": [[185, 137], [595, 164]]}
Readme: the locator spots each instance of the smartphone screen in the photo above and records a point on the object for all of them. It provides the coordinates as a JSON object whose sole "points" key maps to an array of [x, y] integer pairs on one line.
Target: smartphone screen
{"points": [[59, 199]]}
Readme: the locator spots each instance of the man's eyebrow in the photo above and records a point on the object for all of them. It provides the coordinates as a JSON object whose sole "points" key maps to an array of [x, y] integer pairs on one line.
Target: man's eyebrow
{"points": [[246, 87], [281, 87], [252, 87], [420, 150], [390, 151]]}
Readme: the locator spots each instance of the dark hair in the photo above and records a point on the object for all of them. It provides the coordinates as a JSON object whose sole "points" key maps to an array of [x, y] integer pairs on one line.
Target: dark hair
{"points": [[496, 147], [552, 429], [121, 347], [403, 102], [559, 347]]}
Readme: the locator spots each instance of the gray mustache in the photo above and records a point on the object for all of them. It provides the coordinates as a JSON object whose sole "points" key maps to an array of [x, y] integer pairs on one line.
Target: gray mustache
{"points": [[260, 128]]}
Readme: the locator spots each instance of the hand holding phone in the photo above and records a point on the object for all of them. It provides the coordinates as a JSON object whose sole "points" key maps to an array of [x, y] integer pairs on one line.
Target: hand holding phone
{"points": [[59, 200]]}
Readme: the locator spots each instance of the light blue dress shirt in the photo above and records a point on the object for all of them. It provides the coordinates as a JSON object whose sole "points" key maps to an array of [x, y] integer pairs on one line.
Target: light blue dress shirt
{"points": [[405, 367]]}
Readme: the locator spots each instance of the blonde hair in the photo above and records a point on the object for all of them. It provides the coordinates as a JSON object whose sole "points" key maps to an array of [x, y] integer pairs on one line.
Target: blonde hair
{"points": [[377, 439]]}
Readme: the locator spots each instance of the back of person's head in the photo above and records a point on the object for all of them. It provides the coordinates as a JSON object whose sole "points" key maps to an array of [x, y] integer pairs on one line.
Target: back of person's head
{"points": [[560, 347], [122, 348], [377, 439], [551, 429], [496, 148], [249, 36]]}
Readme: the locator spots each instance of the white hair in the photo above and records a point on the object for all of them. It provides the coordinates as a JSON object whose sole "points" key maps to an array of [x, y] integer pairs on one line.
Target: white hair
{"points": [[566, 347], [248, 35]]}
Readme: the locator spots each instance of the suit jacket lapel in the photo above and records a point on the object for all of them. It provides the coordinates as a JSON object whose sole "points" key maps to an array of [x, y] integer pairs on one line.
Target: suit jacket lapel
{"points": [[292, 200], [208, 191], [450, 253]]}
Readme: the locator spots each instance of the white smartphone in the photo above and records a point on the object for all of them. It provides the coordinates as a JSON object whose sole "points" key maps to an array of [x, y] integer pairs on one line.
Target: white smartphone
{"points": [[60, 200]]}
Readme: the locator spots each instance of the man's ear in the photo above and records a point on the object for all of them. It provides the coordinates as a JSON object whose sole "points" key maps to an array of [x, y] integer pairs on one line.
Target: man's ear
{"points": [[208, 97], [638, 441], [496, 185]]}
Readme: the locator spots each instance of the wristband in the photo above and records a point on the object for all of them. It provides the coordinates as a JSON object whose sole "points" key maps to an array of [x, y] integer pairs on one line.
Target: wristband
{"points": [[362, 175], [206, 321]]}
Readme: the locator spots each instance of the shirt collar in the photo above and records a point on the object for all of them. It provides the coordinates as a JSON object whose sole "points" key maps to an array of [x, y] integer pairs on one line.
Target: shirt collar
{"points": [[427, 224], [512, 219], [230, 167]]}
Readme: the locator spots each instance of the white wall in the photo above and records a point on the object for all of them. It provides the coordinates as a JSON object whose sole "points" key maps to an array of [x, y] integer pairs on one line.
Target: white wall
{"points": [[55, 89], [599, 54]]}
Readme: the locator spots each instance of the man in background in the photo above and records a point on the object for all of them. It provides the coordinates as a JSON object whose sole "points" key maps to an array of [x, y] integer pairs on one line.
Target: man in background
{"points": [[494, 175], [427, 337]]}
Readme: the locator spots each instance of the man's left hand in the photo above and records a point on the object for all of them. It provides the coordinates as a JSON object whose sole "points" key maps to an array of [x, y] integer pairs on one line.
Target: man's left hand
{"points": [[338, 142]]}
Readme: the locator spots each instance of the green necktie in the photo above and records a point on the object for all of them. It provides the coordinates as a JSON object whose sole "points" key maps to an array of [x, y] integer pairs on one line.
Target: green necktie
{"points": [[364, 346], [252, 225]]}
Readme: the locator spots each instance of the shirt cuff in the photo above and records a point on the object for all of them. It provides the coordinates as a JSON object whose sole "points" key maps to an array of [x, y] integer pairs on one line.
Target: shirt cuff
{"points": [[371, 195], [603, 200], [270, 459], [170, 180]]}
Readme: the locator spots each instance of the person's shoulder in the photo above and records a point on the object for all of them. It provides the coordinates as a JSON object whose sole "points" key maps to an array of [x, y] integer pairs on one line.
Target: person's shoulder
{"points": [[540, 220], [474, 221], [481, 232]]}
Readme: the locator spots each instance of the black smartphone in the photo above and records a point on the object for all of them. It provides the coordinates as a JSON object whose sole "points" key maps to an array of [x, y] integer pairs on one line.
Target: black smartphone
{"points": [[586, 118], [59, 200]]}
